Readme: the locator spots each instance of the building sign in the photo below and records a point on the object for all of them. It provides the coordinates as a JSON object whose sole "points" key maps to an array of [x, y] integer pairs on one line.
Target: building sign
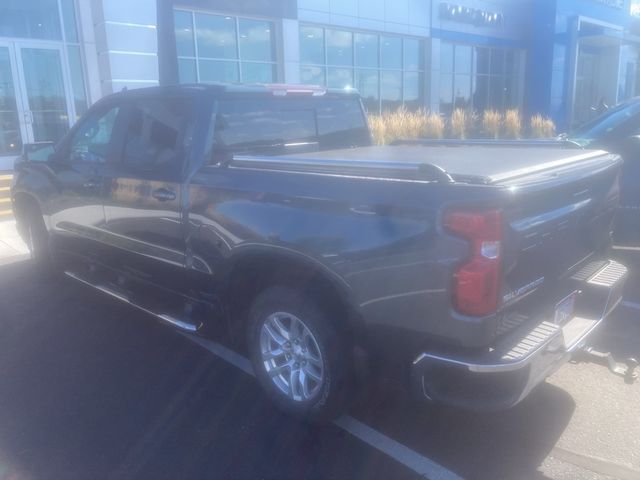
{"points": [[619, 4], [472, 16]]}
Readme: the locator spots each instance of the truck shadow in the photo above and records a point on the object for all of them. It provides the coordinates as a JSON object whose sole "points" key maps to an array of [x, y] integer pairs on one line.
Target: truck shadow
{"points": [[90, 388], [501, 445]]}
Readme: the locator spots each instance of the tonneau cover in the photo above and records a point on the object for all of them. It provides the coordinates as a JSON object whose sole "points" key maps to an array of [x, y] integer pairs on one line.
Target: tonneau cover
{"points": [[470, 164]]}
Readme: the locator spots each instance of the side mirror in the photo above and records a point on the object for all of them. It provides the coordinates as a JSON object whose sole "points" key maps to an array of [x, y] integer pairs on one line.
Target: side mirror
{"points": [[37, 152]]}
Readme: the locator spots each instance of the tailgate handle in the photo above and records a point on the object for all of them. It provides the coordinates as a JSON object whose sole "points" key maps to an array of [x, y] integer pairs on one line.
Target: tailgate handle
{"points": [[164, 194]]}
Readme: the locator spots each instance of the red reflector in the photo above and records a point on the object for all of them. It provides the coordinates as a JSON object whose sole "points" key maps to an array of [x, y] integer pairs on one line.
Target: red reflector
{"points": [[477, 281]]}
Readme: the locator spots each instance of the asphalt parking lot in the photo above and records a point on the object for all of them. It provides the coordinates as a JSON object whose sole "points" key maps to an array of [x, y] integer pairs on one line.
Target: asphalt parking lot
{"points": [[90, 389]]}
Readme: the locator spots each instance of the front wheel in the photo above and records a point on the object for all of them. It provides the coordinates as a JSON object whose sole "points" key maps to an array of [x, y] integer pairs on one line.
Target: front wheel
{"points": [[297, 354]]}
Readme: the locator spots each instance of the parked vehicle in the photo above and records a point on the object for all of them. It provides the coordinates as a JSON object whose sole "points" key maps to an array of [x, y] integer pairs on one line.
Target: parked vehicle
{"points": [[264, 213], [617, 130]]}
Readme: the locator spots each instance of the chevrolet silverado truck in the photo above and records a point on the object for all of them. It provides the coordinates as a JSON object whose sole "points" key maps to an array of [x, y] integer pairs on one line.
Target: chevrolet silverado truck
{"points": [[264, 215]]}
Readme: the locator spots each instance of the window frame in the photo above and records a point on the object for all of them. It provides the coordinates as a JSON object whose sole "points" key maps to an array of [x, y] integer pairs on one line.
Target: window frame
{"points": [[355, 68], [177, 169], [238, 61], [489, 76], [100, 110]]}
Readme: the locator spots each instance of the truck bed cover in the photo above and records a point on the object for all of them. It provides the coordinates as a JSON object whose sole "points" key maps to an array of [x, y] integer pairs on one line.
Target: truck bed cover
{"points": [[470, 164]]}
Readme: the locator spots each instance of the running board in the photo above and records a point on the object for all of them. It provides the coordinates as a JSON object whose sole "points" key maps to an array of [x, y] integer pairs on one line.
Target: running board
{"points": [[169, 319]]}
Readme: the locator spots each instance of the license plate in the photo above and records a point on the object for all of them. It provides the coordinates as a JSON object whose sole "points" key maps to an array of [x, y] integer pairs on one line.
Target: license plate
{"points": [[564, 309]]}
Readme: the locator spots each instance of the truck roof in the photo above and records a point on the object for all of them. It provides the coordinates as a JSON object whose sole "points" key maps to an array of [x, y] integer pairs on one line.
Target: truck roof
{"points": [[221, 89], [472, 164]]}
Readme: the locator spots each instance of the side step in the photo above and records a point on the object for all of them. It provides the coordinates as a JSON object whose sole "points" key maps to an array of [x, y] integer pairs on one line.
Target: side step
{"points": [[169, 319]]}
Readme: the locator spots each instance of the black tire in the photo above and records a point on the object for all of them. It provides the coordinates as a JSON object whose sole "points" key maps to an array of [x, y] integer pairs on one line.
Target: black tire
{"points": [[37, 238], [332, 392]]}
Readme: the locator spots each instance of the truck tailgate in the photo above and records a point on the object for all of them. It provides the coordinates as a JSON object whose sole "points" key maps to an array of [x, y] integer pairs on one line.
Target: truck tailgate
{"points": [[557, 219]]}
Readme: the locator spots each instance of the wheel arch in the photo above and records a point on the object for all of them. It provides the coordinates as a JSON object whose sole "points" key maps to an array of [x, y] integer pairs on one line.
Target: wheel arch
{"points": [[252, 270]]}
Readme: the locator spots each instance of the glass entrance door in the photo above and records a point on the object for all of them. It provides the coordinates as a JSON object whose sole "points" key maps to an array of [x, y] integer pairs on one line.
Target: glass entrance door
{"points": [[46, 93], [10, 128], [35, 95]]}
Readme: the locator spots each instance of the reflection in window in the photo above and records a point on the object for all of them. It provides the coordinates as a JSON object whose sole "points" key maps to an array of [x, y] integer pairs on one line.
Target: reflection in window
{"points": [[154, 133], [339, 47], [30, 19], [387, 70], [339, 77], [77, 81], [478, 78], [90, 141], [69, 20], [269, 126], [366, 50], [183, 22], [255, 40], [224, 48], [312, 76], [216, 36], [9, 125], [390, 90], [218, 71], [312, 45], [367, 85]]}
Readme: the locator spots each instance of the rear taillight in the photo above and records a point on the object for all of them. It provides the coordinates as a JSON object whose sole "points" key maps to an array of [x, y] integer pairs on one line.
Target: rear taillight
{"points": [[477, 281]]}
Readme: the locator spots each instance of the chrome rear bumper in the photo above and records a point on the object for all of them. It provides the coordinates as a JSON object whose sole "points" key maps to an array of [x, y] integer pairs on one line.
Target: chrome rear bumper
{"points": [[503, 375]]}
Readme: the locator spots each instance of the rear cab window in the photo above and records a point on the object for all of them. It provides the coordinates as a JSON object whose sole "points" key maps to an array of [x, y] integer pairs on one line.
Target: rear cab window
{"points": [[276, 126]]}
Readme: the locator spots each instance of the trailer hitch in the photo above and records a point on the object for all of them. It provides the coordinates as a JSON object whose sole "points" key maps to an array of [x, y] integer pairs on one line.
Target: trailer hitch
{"points": [[626, 369]]}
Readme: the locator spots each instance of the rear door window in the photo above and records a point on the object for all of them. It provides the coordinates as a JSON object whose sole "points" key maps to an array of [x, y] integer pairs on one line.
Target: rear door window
{"points": [[157, 134], [276, 126]]}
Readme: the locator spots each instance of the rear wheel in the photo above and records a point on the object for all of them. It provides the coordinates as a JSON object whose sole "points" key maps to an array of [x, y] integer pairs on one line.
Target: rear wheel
{"points": [[297, 354]]}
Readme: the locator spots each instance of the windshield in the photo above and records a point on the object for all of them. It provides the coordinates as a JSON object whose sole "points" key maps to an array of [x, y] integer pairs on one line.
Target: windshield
{"points": [[606, 124]]}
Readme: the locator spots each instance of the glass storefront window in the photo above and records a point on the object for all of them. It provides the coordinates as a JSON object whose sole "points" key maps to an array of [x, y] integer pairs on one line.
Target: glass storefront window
{"points": [[312, 75], [339, 47], [368, 85], [391, 52], [10, 141], [387, 70], [216, 36], [463, 59], [38, 19], [218, 71], [339, 77], [390, 90], [187, 72], [69, 20], [257, 72], [411, 89], [224, 48], [446, 57], [183, 22], [478, 77], [366, 50], [312, 45], [256, 40], [412, 54], [482, 60], [77, 80]]}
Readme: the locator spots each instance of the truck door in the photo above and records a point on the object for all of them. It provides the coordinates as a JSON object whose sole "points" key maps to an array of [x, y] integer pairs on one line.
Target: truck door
{"points": [[143, 198], [76, 212]]}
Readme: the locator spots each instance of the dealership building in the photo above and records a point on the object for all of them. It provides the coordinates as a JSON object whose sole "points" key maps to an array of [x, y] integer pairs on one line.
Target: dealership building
{"points": [[562, 58]]}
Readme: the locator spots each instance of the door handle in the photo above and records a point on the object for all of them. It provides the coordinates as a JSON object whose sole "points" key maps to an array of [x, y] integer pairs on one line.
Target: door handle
{"points": [[163, 195]]}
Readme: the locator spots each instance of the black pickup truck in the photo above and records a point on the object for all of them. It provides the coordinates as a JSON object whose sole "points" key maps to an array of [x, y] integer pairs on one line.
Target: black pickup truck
{"points": [[264, 214]]}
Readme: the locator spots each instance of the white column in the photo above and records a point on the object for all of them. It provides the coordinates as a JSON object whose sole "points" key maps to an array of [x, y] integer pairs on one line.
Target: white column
{"points": [[126, 43], [290, 50]]}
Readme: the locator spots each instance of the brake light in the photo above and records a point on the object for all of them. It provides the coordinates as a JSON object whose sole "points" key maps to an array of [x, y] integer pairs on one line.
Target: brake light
{"points": [[477, 281], [284, 89]]}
